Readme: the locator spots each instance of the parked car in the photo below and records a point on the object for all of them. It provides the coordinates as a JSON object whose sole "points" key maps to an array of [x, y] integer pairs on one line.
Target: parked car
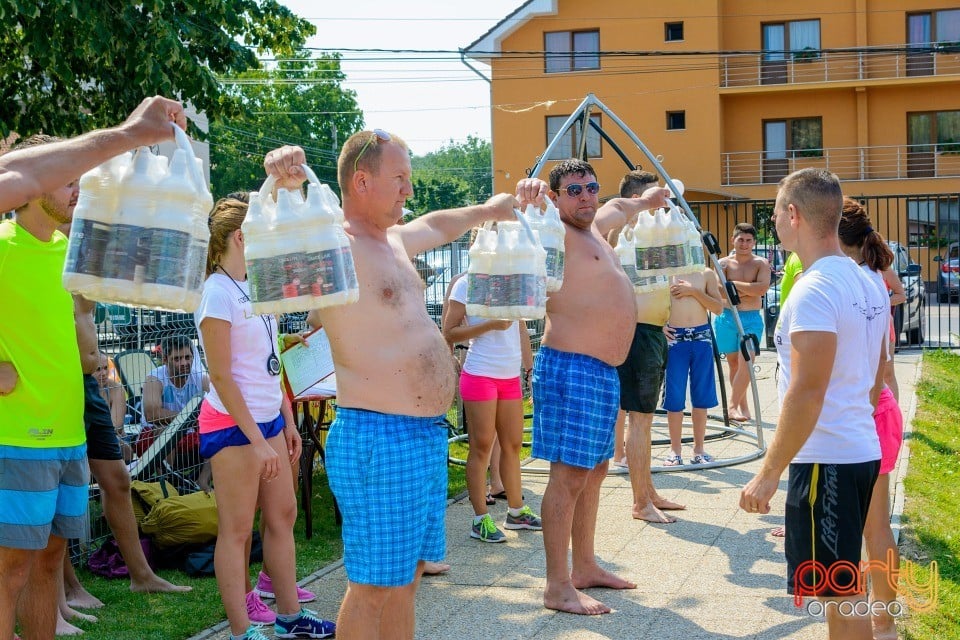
{"points": [[771, 311], [948, 275], [907, 318]]}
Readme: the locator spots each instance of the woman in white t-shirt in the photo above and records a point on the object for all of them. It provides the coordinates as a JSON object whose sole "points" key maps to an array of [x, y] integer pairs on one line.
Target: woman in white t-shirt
{"points": [[248, 433], [493, 403], [868, 249]]}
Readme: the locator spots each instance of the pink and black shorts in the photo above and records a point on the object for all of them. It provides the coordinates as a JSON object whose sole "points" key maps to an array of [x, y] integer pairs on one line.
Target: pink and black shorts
{"points": [[483, 389]]}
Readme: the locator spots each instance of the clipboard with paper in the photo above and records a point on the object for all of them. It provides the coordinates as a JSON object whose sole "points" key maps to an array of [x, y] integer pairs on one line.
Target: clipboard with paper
{"points": [[307, 364]]}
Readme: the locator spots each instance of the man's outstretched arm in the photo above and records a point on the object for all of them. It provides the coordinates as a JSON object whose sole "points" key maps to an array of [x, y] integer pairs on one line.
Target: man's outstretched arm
{"points": [[26, 174]]}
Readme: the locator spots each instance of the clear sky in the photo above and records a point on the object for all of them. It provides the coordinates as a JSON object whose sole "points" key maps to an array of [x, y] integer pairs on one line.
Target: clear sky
{"points": [[427, 101]]}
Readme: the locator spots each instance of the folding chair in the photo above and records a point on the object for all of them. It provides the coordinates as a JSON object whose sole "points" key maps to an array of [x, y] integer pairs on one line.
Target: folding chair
{"points": [[153, 465], [134, 365]]}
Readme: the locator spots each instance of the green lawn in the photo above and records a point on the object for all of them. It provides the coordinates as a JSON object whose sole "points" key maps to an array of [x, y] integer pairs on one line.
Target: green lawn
{"points": [[932, 514]]}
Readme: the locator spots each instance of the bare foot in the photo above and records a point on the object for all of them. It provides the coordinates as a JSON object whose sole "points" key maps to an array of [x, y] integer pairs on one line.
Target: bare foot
{"points": [[600, 578], [737, 416], [83, 599], [778, 532], [435, 568], [156, 584], [64, 628], [66, 613], [667, 505], [887, 631], [650, 513], [570, 600]]}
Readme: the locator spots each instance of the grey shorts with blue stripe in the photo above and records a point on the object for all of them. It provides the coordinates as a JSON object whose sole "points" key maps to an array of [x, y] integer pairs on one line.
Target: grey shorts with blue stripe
{"points": [[575, 403], [43, 492], [389, 475]]}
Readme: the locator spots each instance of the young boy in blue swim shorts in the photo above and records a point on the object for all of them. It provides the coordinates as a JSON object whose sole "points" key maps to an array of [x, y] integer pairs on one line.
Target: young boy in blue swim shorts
{"points": [[690, 355]]}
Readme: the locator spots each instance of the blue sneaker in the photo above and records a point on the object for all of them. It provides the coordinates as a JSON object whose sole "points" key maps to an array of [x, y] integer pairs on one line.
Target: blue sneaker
{"points": [[306, 625]]}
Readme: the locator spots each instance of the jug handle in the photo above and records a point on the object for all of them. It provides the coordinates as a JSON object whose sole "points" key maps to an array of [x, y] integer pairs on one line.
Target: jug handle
{"points": [[183, 142], [526, 227]]}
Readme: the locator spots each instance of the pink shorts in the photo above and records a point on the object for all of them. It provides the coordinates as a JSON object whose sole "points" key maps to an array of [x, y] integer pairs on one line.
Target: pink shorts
{"points": [[889, 423], [483, 389]]}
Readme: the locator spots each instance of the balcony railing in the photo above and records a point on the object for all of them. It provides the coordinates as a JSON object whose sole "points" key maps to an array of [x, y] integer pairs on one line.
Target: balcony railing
{"points": [[849, 163], [811, 66]]}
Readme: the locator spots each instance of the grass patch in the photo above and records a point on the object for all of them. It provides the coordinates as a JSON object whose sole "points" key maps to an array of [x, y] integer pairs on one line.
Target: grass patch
{"points": [[932, 511]]}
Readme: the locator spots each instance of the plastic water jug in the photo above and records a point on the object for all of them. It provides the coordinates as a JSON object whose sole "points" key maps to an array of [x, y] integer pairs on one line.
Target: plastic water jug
{"points": [[144, 247], [299, 258], [627, 253], [92, 225], [551, 232]]}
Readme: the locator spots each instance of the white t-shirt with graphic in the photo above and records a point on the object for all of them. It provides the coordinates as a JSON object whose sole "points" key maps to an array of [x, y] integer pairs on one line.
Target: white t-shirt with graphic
{"points": [[252, 339], [836, 296], [494, 354]]}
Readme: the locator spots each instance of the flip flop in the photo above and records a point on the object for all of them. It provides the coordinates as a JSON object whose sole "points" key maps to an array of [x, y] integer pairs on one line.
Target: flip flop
{"points": [[491, 499], [672, 460], [702, 458], [502, 495]]}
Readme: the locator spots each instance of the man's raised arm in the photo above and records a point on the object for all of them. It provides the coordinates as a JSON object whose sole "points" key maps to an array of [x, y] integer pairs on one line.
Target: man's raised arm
{"points": [[27, 173], [617, 212]]}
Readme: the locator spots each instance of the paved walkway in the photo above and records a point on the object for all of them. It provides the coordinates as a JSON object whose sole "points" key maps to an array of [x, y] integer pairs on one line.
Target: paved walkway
{"points": [[715, 573]]}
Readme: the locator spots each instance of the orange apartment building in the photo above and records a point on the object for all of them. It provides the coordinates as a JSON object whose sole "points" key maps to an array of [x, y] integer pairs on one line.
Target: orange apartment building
{"points": [[735, 94]]}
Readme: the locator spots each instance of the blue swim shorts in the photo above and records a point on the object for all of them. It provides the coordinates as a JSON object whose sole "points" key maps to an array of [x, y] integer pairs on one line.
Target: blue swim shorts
{"points": [[690, 355], [43, 492], [213, 441], [725, 329], [575, 403], [389, 475]]}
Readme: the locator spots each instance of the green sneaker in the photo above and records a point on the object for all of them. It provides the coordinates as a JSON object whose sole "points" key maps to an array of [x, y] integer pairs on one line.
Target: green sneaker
{"points": [[486, 530], [526, 519]]}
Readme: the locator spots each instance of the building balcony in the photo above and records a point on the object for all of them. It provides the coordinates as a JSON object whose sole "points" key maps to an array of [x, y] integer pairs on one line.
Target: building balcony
{"points": [[819, 67], [897, 162]]}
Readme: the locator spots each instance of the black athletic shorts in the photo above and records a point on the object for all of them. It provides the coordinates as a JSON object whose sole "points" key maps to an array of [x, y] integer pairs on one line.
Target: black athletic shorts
{"points": [[825, 514], [641, 375], [102, 440]]}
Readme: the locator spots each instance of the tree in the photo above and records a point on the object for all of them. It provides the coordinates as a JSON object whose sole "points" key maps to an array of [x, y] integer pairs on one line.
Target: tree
{"points": [[300, 101], [73, 65], [457, 174]]}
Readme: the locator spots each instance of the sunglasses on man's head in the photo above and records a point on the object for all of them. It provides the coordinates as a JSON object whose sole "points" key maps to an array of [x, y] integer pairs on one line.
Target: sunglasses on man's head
{"points": [[376, 134], [574, 190]]}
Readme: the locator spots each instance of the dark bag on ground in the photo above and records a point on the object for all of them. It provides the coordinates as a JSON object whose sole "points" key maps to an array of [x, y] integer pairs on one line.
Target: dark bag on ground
{"points": [[199, 562]]}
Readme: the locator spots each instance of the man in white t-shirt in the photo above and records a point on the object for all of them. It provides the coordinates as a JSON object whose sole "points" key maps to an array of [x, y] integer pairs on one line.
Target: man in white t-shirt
{"points": [[828, 340]]}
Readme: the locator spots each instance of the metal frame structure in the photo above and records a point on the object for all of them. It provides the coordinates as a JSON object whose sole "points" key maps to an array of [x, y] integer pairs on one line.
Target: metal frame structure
{"points": [[748, 347]]}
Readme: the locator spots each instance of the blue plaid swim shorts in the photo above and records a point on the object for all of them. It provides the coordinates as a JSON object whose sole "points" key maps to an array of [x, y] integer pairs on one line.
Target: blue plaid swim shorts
{"points": [[389, 475], [575, 402]]}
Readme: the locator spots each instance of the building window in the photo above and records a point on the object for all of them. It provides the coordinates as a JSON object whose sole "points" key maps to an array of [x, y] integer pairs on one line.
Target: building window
{"points": [[571, 51], [673, 31], [569, 145], [936, 131], [785, 139], [676, 120], [934, 27], [798, 40]]}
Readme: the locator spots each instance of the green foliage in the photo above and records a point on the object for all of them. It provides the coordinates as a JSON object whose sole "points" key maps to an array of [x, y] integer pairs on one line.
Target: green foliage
{"points": [[71, 66], [932, 511], [299, 101], [458, 174]]}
